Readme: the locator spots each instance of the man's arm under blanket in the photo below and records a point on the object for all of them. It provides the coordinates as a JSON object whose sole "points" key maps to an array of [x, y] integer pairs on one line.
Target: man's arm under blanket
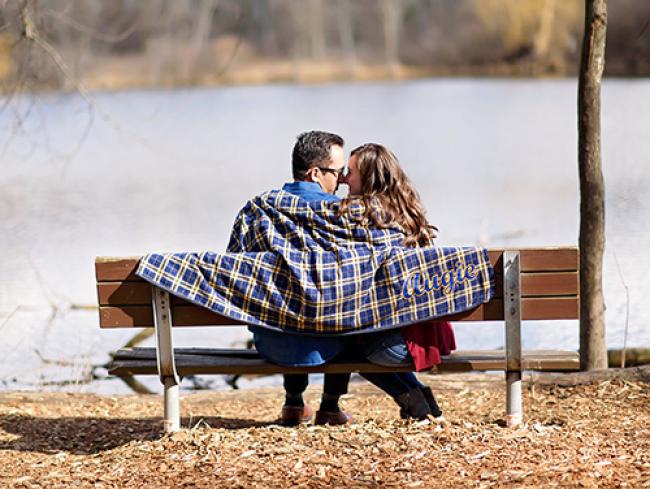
{"points": [[237, 244]]}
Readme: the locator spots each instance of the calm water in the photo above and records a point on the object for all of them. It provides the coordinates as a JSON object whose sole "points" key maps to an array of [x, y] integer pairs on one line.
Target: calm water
{"points": [[495, 163]]}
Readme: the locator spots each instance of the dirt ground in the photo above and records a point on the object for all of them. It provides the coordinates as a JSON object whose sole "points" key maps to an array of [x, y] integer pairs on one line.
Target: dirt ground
{"points": [[589, 435]]}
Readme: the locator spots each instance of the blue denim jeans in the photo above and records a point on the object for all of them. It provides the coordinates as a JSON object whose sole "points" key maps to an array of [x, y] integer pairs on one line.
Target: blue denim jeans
{"points": [[388, 349]]}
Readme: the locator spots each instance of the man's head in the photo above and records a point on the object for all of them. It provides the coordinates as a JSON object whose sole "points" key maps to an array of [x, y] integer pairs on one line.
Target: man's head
{"points": [[318, 157]]}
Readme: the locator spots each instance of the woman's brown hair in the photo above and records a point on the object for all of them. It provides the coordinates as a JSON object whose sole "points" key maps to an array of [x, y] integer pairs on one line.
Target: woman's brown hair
{"points": [[388, 195]]}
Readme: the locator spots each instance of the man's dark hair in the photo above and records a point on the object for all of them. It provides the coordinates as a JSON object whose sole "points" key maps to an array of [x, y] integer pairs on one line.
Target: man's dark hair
{"points": [[312, 148]]}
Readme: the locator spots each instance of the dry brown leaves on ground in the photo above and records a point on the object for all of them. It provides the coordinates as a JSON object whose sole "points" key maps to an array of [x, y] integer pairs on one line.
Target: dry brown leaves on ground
{"points": [[595, 435]]}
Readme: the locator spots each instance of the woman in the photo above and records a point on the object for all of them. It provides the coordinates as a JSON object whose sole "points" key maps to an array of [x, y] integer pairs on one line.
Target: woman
{"points": [[376, 178]]}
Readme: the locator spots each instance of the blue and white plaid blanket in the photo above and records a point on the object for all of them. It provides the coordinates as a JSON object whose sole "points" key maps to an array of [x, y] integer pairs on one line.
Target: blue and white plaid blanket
{"points": [[297, 266]]}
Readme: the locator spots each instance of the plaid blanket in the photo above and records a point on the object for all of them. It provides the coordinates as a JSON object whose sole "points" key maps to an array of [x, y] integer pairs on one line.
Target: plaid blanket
{"points": [[298, 266]]}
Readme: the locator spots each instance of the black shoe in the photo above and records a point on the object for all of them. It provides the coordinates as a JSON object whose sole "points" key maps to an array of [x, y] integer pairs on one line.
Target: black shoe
{"points": [[413, 404], [431, 401]]}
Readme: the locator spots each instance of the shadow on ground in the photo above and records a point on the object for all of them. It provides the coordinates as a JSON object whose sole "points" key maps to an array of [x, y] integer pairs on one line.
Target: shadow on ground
{"points": [[86, 436]]}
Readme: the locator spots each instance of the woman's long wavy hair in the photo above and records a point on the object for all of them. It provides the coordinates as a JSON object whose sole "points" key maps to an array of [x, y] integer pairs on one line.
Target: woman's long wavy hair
{"points": [[388, 195]]}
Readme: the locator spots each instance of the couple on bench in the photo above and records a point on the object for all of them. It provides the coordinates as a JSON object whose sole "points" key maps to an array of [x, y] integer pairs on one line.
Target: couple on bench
{"points": [[380, 197], [320, 279]]}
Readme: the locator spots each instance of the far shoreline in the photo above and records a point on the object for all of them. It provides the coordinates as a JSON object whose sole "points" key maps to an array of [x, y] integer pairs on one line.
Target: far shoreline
{"points": [[314, 74]]}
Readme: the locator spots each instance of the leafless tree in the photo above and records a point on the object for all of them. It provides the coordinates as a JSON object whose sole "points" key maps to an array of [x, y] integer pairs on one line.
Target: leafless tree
{"points": [[346, 35], [542, 39], [316, 21], [593, 352], [391, 12], [200, 35]]}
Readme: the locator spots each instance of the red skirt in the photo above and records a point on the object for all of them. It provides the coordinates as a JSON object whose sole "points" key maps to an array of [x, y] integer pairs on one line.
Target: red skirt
{"points": [[427, 340]]}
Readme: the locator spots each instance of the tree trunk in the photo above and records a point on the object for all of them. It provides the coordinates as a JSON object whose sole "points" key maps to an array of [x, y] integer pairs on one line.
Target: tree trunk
{"points": [[346, 35], [593, 353], [200, 36], [542, 38], [391, 13]]}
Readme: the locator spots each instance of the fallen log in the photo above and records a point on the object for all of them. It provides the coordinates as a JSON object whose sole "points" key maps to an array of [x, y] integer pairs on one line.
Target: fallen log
{"points": [[632, 374]]}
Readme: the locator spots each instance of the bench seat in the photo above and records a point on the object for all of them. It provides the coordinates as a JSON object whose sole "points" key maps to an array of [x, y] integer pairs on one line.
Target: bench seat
{"points": [[195, 361]]}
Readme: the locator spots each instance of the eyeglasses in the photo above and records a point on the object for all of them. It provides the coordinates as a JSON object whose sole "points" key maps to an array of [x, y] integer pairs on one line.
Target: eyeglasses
{"points": [[343, 171]]}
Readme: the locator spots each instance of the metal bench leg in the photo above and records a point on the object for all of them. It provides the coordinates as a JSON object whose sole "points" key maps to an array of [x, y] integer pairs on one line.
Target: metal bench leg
{"points": [[513, 398], [172, 420], [512, 316], [165, 357]]}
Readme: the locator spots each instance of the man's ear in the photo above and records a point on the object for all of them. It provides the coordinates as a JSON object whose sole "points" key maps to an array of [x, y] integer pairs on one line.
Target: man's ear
{"points": [[309, 175]]}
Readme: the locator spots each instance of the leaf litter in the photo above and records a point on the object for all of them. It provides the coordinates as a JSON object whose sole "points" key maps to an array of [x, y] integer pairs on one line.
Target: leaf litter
{"points": [[589, 435]]}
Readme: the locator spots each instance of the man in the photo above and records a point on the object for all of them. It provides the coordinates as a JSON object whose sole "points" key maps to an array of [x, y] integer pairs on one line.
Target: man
{"points": [[318, 165], [318, 162]]}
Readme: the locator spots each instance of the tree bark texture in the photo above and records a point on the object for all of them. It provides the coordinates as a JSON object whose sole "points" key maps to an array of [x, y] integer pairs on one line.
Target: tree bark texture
{"points": [[593, 352]]}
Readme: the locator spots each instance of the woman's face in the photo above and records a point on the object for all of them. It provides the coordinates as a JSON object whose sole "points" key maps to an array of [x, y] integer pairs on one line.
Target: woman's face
{"points": [[353, 178]]}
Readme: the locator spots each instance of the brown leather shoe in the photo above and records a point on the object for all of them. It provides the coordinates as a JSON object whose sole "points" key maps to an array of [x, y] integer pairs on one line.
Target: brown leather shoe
{"points": [[333, 418], [295, 415]]}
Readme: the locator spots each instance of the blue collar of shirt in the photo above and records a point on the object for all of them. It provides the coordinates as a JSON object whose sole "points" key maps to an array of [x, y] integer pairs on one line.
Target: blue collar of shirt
{"points": [[310, 191]]}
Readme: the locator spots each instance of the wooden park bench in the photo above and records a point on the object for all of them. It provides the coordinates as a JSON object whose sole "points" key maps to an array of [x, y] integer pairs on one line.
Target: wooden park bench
{"points": [[532, 284]]}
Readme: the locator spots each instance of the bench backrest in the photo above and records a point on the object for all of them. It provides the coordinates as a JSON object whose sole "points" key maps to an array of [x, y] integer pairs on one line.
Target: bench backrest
{"points": [[549, 290]]}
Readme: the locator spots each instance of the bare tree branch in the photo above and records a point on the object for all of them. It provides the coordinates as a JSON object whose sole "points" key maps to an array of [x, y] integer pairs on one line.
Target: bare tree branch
{"points": [[11, 314], [32, 34], [89, 30], [627, 309], [240, 24]]}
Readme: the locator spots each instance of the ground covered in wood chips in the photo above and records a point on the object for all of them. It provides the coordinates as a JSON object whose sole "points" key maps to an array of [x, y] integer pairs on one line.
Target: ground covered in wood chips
{"points": [[591, 435]]}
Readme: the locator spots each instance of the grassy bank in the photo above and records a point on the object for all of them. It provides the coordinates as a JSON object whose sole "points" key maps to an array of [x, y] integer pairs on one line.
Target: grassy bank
{"points": [[594, 435]]}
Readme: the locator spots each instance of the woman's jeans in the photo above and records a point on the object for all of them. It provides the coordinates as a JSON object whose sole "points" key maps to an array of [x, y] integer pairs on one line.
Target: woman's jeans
{"points": [[386, 348]]}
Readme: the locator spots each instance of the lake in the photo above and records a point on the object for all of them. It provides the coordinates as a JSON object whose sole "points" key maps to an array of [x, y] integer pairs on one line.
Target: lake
{"points": [[494, 160]]}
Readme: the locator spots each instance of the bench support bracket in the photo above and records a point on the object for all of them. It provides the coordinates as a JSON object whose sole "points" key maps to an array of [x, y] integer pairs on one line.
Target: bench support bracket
{"points": [[165, 358], [512, 315]]}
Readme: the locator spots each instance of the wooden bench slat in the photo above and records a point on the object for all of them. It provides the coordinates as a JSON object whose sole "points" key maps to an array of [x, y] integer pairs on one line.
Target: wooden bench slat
{"points": [[532, 260], [547, 284], [149, 353], [540, 259], [532, 285], [142, 361], [533, 308], [109, 269], [124, 293], [146, 353]]}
